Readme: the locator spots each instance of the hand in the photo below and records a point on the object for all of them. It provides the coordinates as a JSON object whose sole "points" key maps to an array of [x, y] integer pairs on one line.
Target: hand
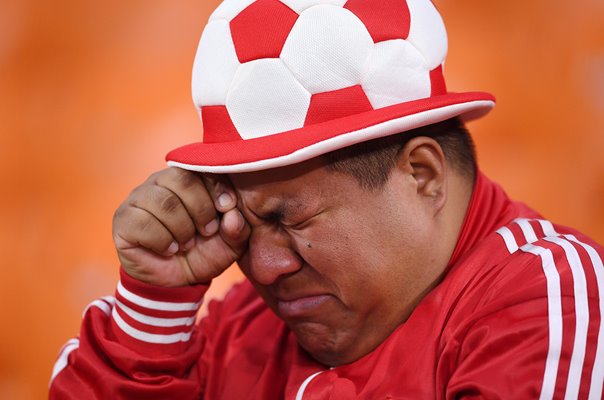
{"points": [[179, 228]]}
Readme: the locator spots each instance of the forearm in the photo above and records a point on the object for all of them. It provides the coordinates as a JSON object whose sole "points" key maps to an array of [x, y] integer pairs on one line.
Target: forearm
{"points": [[143, 341]]}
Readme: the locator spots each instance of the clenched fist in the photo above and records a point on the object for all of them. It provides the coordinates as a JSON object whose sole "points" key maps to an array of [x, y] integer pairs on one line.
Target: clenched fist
{"points": [[179, 228]]}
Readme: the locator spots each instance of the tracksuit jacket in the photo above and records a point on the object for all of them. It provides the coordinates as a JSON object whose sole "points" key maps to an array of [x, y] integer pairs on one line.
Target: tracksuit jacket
{"points": [[516, 316]]}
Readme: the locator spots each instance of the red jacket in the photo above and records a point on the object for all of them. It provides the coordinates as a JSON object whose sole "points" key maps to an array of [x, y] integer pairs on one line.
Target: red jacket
{"points": [[517, 316]]}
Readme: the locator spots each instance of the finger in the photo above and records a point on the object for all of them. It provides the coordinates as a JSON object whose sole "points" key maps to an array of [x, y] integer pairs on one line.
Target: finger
{"points": [[235, 231], [135, 227], [191, 190], [167, 208], [221, 191]]}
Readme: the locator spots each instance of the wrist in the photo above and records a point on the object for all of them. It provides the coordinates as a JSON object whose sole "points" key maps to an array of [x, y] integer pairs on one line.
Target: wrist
{"points": [[155, 319]]}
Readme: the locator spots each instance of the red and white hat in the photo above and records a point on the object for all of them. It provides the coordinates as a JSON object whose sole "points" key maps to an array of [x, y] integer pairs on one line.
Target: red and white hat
{"points": [[278, 82]]}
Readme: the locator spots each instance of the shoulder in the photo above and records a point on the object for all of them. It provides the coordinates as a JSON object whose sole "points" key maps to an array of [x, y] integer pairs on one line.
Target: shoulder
{"points": [[566, 261], [532, 254], [534, 304], [550, 269]]}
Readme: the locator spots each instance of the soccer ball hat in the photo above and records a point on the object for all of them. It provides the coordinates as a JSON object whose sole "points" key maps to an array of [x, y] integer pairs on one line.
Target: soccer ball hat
{"points": [[278, 82]]}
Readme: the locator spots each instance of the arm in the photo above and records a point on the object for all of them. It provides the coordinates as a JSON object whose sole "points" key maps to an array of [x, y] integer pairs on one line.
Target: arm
{"points": [[539, 334], [143, 342]]}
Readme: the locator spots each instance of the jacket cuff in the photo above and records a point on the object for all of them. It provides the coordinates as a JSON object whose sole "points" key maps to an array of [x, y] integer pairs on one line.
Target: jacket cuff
{"points": [[152, 319]]}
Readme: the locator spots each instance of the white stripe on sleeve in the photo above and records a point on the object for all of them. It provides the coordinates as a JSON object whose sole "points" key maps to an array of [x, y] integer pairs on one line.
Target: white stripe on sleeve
{"points": [[104, 303], [149, 337], [554, 311], [597, 373], [555, 307], [527, 230], [63, 358], [154, 321], [548, 228], [155, 305], [581, 317], [508, 238]]}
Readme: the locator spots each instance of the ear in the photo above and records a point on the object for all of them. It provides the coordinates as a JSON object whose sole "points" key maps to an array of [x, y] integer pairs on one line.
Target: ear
{"points": [[424, 161]]}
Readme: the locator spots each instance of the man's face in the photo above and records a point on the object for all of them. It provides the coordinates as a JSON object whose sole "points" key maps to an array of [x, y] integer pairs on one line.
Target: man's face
{"points": [[341, 265]]}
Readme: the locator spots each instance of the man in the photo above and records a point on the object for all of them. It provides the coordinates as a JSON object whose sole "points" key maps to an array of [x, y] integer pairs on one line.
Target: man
{"points": [[380, 262]]}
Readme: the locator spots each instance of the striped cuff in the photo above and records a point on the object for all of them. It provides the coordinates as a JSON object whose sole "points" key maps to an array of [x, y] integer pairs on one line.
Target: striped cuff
{"points": [[153, 319]]}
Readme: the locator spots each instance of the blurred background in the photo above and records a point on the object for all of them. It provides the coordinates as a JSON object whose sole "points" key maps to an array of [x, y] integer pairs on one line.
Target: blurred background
{"points": [[93, 94]]}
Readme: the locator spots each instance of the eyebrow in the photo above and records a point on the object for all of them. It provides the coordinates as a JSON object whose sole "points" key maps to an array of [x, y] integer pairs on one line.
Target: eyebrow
{"points": [[286, 208], [293, 207], [283, 210]]}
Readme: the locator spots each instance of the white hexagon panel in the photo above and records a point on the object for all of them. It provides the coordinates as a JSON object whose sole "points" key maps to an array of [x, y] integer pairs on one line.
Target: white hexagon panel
{"points": [[265, 98], [327, 48], [301, 5], [215, 65], [397, 73], [228, 9], [427, 32]]}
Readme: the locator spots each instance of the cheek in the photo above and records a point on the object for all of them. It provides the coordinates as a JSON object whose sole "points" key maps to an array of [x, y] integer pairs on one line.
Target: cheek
{"points": [[338, 254], [322, 242]]}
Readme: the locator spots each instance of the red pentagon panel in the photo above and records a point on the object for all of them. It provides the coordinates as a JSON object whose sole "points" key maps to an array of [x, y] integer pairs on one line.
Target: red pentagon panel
{"points": [[217, 125], [437, 81], [335, 104], [260, 30], [384, 19]]}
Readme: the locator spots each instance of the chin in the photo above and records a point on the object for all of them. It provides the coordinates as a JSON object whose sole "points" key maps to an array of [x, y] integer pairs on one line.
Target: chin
{"points": [[329, 347]]}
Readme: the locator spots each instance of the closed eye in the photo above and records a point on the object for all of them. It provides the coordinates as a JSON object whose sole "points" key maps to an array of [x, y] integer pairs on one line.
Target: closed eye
{"points": [[300, 225], [273, 218]]}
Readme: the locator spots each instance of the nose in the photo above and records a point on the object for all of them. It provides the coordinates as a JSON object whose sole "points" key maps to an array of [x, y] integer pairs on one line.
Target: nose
{"points": [[270, 255]]}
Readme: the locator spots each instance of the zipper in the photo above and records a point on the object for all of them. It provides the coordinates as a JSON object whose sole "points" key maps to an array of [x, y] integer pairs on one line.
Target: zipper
{"points": [[304, 384]]}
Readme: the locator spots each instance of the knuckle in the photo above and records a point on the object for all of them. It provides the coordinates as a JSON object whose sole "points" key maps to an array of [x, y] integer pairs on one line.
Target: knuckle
{"points": [[138, 193], [186, 179], [185, 230], [169, 203], [144, 224], [119, 216], [154, 176], [201, 220], [205, 212], [212, 184]]}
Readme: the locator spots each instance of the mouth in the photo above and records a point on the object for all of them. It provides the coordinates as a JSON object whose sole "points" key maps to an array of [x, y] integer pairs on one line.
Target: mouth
{"points": [[302, 306]]}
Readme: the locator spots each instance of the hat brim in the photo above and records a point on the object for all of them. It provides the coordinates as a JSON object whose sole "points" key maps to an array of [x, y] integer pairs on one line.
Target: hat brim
{"points": [[292, 147]]}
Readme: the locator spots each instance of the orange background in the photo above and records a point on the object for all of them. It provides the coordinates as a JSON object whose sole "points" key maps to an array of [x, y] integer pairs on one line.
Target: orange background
{"points": [[92, 95]]}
